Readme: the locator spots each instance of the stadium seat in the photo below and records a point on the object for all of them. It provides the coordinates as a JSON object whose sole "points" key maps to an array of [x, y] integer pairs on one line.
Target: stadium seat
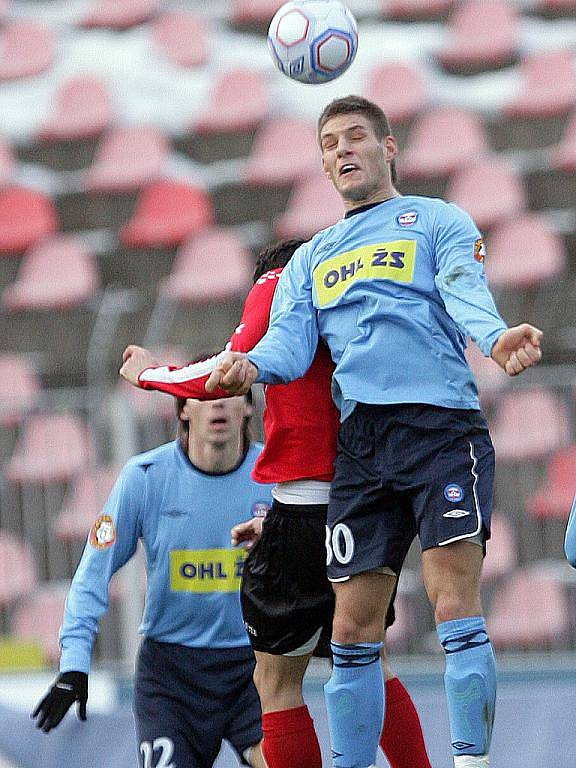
{"points": [[126, 159], [56, 274], [441, 141], [490, 191], [524, 252], [529, 612], [554, 498], [82, 110], [314, 204], [159, 405], [284, 150], [416, 10], [120, 14], [564, 154], [501, 551], [237, 103], [490, 378], [399, 89], [7, 163], [18, 573], [556, 8], [517, 439], [26, 217], [482, 35], [547, 87], [172, 34], [401, 633], [26, 49], [38, 616], [212, 266], [167, 212], [52, 448], [83, 502], [254, 11], [19, 388]]}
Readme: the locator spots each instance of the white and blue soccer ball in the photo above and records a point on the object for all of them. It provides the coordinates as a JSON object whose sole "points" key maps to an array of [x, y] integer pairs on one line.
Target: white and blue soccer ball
{"points": [[313, 41]]}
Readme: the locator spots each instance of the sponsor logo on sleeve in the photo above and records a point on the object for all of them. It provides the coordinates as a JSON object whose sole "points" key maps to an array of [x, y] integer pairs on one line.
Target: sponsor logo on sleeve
{"points": [[453, 492], [206, 570], [103, 533], [479, 250]]}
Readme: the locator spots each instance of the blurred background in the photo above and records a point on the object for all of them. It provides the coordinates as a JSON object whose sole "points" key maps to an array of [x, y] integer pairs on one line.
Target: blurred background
{"points": [[148, 150]]}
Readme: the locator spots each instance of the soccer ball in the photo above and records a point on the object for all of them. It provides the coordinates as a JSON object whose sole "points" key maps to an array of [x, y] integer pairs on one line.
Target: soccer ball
{"points": [[313, 41]]}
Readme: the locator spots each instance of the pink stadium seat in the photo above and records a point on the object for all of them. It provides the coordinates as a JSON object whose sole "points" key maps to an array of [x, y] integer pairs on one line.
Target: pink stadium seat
{"points": [[19, 389], [403, 629], [17, 568], [524, 252], [529, 611], [83, 502], [554, 498], [254, 11], [120, 14], [173, 33], [26, 49], [564, 154], [26, 217], [7, 163], [501, 552], [82, 110], [237, 103], [514, 440], [397, 88], [548, 86], [482, 34], [314, 204], [490, 191], [126, 159], [283, 151], [53, 447], [490, 378], [56, 274], [167, 212], [212, 266], [556, 5], [441, 141], [160, 405], [416, 9], [38, 616]]}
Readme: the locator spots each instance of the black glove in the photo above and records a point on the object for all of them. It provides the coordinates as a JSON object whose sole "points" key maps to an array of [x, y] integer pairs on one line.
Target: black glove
{"points": [[67, 688]]}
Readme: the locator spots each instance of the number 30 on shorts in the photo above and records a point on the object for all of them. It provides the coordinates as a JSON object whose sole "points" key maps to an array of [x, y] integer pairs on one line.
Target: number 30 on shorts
{"points": [[339, 544]]}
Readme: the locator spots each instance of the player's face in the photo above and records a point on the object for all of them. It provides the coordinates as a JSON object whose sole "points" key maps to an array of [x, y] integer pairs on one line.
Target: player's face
{"points": [[354, 160], [216, 422]]}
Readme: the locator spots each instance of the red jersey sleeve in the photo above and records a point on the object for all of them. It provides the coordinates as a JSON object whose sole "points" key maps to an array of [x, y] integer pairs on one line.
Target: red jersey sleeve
{"points": [[256, 314]]}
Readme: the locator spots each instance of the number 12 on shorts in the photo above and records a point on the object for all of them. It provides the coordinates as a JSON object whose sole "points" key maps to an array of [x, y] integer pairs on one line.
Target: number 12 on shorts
{"points": [[162, 743], [339, 544]]}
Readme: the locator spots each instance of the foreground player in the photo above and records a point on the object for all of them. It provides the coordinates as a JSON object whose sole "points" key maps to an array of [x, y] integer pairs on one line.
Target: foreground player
{"points": [[193, 685], [287, 600], [394, 288], [570, 539]]}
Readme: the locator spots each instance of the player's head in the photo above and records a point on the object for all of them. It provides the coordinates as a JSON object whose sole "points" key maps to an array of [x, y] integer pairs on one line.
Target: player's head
{"points": [[275, 256], [358, 149]]}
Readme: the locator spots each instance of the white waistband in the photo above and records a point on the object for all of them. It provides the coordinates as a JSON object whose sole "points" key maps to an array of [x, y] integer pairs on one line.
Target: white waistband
{"points": [[302, 492]]}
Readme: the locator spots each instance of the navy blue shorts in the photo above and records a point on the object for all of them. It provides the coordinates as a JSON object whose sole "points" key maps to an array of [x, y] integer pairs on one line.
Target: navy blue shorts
{"points": [[187, 700], [407, 470]]}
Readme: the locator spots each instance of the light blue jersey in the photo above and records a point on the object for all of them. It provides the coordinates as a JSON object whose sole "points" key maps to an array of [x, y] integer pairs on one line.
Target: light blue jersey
{"points": [[394, 289], [570, 538], [183, 517]]}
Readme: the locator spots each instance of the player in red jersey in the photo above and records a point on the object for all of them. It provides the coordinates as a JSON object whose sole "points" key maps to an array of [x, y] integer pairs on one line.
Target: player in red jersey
{"points": [[287, 600]]}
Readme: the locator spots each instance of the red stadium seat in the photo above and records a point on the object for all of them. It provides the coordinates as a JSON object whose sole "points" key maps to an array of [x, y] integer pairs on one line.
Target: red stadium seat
{"points": [[19, 389], [490, 191], [556, 7], [82, 110], [513, 441], [38, 616], [416, 9], [53, 447], [524, 252], [254, 11], [167, 212], [283, 151], [26, 49], [548, 86], [398, 89], [441, 141], [237, 103], [564, 154], [26, 217], [173, 34], [126, 159], [482, 34], [7, 163], [120, 14], [314, 204], [83, 503], [501, 551], [56, 274], [212, 266], [17, 568], [554, 498], [529, 612]]}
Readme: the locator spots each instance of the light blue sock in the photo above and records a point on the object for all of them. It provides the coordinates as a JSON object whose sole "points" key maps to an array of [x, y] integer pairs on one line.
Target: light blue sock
{"points": [[470, 683], [355, 704]]}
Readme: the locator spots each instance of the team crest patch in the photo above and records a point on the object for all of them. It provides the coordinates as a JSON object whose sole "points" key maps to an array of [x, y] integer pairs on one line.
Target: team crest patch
{"points": [[453, 492], [103, 533], [479, 250], [260, 509], [407, 219]]}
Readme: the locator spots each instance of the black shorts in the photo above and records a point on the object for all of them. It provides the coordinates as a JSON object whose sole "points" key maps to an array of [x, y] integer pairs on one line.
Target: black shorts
{"points": [[285, 593], [187, 700], [403, 470]]}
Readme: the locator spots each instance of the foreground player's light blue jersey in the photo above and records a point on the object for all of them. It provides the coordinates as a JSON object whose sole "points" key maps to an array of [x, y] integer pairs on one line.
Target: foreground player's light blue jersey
{"points": [[394, 289], [570, 538], [184, 517]]}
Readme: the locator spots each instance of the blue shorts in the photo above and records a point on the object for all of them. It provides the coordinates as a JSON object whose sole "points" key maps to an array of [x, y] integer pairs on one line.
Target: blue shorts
{"points": [[187, 700], [407, 470]]}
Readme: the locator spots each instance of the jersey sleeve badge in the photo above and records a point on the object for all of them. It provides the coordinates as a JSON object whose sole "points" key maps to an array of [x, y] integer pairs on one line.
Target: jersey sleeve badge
{"points": [[479, 250], [103, 533]]}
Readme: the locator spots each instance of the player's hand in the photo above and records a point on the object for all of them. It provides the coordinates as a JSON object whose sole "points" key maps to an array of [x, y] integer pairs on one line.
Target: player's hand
{"points": [[67, 688], [518, 348], [135, 360], [234, 373], [248, 533]]}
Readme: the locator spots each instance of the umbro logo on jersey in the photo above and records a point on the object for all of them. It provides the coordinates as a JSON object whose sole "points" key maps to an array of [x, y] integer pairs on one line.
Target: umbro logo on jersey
{"points": [[456, 513]]}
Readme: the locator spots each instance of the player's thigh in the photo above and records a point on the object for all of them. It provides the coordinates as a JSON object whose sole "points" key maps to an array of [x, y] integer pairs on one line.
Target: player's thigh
{"points": [[452, 573], [361, 606], [275, 673]]}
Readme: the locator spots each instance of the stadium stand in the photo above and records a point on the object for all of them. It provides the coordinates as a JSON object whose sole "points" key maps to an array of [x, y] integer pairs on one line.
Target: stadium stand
{"points": [[283, 151], [554, 498], [17, 568], [237, 103], [490, 378], [548, 86], [564, 153], [399, 89], [251, 12], [38, 616], [7, 163], [416, 10], [83, 503], [120, 14], [313, 205], [20, 388], [556, 8], [26, 49], [26, 217], [501, 552], [172, 33], [400, 635], [82, 109]]}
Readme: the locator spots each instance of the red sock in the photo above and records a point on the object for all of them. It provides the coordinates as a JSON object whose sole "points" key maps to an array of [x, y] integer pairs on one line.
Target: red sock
{"points": [[290, 740], [402, 741]]}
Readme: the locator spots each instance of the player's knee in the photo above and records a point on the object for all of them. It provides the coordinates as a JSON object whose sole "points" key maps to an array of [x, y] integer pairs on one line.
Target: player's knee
{"points": [[450, 606], [348, 629]]}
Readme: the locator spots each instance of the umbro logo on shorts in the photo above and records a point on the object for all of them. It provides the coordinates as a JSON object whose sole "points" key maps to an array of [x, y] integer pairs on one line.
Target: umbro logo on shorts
{"points": [[456, 513]]}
